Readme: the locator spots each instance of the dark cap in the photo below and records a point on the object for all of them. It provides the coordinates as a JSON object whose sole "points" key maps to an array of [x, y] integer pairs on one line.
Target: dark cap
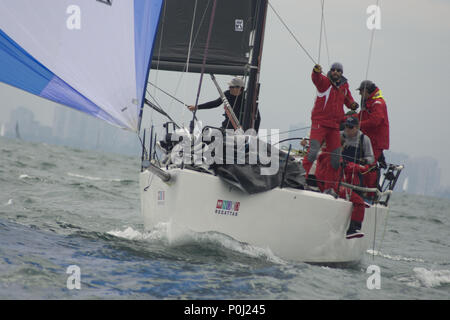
{"points": [[351, 121], [338, 66], [367, 84]]}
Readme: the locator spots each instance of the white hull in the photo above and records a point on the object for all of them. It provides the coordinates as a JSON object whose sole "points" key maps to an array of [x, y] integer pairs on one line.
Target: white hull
{"points": [[294, 224]]}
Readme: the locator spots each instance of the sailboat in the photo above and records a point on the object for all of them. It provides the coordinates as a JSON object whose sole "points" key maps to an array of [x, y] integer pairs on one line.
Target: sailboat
{"points": [[280, 214], [99, 66], [18, 136]]}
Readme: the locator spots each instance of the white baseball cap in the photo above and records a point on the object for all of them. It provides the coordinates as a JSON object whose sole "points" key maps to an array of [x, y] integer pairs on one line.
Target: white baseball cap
{"points": [[237, 82]]}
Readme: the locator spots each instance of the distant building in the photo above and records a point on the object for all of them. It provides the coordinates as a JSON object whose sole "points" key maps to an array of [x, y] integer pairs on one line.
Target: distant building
{"points": [[74, 129], [23, 125], [82, 131], [421, 175]]}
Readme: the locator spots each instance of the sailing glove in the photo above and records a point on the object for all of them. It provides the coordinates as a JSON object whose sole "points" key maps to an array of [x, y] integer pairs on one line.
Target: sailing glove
{"points": [[317, 68], [354, 106]]}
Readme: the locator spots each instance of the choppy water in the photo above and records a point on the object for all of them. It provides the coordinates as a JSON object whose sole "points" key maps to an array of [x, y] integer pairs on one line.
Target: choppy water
{"points": [[61, 207]]}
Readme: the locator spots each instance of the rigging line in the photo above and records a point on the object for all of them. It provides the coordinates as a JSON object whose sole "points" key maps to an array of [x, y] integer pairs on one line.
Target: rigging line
{"points": [[283, 132], [163, 18], [384, 229], [160, 42], [211, 21], [189, 54], [191, 45], [159, 109], [374, 232], [366, 77], [185, 66], [190, 38], [292, 34], [260, 23], [143, 146], [326, 38], [168, 94], [321, 31], [371, 46]]}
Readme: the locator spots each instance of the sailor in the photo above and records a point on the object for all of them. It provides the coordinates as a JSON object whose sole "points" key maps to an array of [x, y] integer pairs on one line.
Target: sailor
{"points": [[356, 146], [332, 93], [325, 175], [235, 96], [374, 123], [357, 155]]}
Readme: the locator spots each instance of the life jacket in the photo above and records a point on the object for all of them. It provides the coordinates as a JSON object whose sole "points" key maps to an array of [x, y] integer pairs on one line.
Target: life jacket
{"points": [[354, 154]]}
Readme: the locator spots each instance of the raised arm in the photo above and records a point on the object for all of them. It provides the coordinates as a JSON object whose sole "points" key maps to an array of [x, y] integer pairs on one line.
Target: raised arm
{"points": [[320, 81]]}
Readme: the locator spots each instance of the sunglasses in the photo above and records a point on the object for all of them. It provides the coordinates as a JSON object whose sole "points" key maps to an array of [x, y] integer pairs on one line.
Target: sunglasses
{"points": [[234, 87], [350, 127], [338, 70]]}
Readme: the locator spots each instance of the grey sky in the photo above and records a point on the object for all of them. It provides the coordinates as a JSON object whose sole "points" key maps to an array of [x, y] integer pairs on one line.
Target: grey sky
{"points": [[410, 64]]}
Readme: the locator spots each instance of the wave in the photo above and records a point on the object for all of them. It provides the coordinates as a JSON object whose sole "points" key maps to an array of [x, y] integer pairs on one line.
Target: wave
{"points": [[394, 258], [176, 236], [130, 234], [427, 278], [94, 178]]}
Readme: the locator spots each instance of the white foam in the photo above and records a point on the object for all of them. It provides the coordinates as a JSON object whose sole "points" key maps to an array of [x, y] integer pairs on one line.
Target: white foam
{"points": [[70, 174], [160, 232], [24, 176], [10, 202], [244, 248], [83, 177], [130, 234], [395, 258], [175, 235], [432, 278], [427, 278]]}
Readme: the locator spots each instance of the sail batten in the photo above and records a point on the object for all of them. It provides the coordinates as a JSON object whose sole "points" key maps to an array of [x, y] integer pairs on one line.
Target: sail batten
{"points": [[98, 64]]}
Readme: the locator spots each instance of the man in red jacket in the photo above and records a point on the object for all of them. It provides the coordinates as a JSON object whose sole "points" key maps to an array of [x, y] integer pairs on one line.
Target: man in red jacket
{"points": [[326, 181], [332, 93], [374, 123]]}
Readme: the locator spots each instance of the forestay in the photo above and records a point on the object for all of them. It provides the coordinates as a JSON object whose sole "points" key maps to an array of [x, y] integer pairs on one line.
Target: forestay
{"points": [[90, 55]]}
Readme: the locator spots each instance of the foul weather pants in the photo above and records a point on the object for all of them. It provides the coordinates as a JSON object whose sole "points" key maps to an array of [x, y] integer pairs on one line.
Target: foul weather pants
{"points": [[332, 139]]}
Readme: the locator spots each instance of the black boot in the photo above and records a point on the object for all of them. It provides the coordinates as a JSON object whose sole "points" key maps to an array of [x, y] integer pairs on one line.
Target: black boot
{"points": [[354, 230]]}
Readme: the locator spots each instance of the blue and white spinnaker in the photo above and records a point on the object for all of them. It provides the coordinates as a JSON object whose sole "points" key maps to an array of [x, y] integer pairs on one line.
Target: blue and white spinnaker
{"points": [[90, 55]]}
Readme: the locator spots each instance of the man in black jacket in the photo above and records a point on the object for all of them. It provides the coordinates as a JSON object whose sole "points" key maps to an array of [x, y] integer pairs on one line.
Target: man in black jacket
{"points": [[235, 96]]}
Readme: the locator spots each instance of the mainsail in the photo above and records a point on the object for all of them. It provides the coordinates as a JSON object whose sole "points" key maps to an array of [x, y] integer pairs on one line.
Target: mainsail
{"points": [[183, 35], [234, 48], [90, 55]]}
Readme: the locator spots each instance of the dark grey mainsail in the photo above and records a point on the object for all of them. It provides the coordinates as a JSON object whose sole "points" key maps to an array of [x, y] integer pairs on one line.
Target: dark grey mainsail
{"points": [[230, 44]]}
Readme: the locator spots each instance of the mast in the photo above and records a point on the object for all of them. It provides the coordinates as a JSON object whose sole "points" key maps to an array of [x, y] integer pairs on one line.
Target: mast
{"points": [[251, 100]]}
